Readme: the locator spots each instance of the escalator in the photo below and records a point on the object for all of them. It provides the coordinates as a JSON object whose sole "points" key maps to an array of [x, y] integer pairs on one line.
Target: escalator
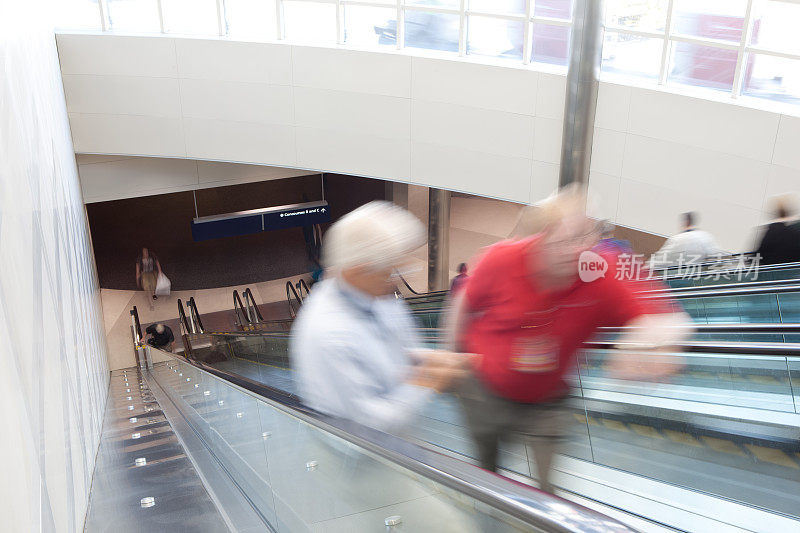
{"points": [[725, 426], [298, 471]]}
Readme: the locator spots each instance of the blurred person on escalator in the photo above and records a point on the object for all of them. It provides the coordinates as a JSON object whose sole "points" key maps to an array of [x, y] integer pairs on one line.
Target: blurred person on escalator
{"points": [[610, 244], [354, 347], [147, 271], [530, 304], [161, 336], [460, 279], [691, 245], [781, 240]]}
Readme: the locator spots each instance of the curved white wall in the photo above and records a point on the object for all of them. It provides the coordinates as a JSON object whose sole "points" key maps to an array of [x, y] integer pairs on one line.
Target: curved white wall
{"points": [[455, 124]]}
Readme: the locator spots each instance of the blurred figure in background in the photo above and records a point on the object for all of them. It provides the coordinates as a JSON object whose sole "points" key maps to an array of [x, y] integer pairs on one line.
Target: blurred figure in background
{"points": [[690, 245], [460, 279], [161, 336], [525, 314], [147, 270], [353, 347], [781, 241], [608, 244]]}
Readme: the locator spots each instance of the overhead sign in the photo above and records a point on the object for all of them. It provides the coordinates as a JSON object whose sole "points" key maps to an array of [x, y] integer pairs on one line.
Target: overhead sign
{"points": [[258, 220]]}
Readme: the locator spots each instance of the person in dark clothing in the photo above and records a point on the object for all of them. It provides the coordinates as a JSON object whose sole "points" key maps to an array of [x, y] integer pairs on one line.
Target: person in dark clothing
{"points": [[460, 279], [781, 241], [161, 336]]}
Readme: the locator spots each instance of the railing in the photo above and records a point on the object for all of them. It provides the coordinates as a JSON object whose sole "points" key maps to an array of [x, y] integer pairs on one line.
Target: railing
{"points": [[291, 291], [195, 314], [138, 337], [252, 307], [242, 319], [191, 324], [509, 503], [186, 326], [301, 286]]}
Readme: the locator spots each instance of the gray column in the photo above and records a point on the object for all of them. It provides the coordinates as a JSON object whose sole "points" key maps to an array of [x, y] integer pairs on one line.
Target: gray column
{"points": [[438, 239], [586, 49], [397, 193]]}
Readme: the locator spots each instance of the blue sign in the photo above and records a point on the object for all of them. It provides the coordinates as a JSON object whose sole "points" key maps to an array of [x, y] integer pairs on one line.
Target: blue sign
{"points": [[258, 220]]}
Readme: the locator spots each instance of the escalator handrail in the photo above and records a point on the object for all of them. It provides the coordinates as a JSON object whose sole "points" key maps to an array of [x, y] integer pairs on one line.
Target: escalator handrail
{"points": [[712, 262], [540, 510], [238, 309], [730, 271], [780, 349], [415, 293], [742, 291], [726, 286], [251, 301], [776, 328], [195, 314], [291, 291], [182, 318], [302, 285], [135, 313]]}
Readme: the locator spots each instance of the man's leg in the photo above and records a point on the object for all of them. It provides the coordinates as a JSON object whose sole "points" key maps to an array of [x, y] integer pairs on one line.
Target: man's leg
{"points": [[543, 450], [544, 429], [484, 415]]}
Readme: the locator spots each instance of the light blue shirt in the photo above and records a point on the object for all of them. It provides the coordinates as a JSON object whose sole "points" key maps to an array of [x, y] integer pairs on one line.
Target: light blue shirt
{"points": [[352, 355]]}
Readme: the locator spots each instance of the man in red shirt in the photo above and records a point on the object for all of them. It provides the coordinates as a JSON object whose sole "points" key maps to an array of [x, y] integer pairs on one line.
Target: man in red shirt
{"points": [[526, 312]]}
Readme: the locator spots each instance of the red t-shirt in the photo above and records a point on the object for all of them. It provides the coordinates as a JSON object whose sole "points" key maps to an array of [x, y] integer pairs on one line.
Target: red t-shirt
{"points": [[528, 337]]}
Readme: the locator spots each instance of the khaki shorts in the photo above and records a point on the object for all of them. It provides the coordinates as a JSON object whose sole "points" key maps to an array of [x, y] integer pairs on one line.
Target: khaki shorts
{"points": [[149, 281]]}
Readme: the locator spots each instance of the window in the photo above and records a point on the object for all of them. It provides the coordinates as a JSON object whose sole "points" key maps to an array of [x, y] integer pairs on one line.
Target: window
{"points": [[772, 77], [632, 55], [190, 16], [77, 14], [748, 48], [430, 30], [370, 25], [702, 66], [133, 15], [250, 19], [549, 44], [311, 22], [495, 37]]}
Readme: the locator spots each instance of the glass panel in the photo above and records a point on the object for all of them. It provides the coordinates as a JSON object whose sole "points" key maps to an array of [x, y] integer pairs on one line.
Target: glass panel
{"points": [[775, 26], [773, 78], [549, 44], [133, 15], [514, 7], [560, 9], [714, 19], [250, 18], [631, 55], [300, 477], [449, 4], [434, 31], [309, 22], [647, 15], [77, 15], [190, 16], [702, 66], [495, 37], [370, 26]]}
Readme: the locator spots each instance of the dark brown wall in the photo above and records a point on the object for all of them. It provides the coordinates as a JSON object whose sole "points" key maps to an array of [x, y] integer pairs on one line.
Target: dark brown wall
{"points": [[641, 242], [162, 223]]}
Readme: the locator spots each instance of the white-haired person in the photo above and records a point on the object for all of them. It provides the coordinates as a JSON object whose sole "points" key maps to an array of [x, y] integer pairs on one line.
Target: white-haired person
{"points": [[354, 349], [526, 312], [161, 336]]}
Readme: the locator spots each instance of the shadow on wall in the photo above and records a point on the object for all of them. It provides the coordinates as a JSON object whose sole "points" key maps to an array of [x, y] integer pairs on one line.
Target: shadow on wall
{"points": [[120, 228]]}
